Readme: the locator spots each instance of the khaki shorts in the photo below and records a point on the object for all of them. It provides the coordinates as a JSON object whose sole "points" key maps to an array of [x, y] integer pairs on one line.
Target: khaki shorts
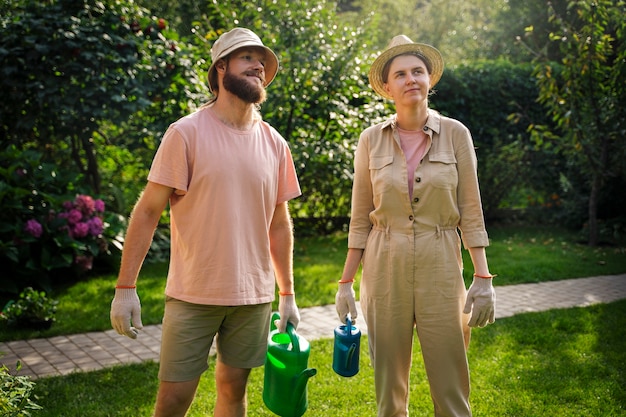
{"points": [[189, 330]]}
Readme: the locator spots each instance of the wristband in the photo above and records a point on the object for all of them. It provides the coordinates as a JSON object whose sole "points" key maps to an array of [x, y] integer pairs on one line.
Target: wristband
{"points": [[346, 282], [125, 287], [284, 293], [485, 276]]}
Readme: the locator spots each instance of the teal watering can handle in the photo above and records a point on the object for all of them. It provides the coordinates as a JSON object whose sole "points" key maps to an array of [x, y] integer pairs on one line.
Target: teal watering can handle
{"points": [[352, 348], [293, 337], [350, 355]]}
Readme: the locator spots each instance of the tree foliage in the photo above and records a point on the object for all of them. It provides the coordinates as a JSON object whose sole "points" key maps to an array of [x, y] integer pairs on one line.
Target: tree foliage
{"points": [[70, 65], [585, 95], [496, 100], [92, 86], [462, 30]]}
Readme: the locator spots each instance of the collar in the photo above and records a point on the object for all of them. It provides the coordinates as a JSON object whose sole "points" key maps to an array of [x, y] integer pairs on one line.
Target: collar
{"points": [[432, 123]]}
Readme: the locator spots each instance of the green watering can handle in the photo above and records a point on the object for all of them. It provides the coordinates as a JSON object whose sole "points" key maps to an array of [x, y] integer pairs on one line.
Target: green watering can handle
{"points": [[293, 336], [291, 331], [275, 316]]}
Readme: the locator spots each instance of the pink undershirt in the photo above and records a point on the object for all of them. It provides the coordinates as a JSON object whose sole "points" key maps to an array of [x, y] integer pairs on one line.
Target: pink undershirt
{"points": [[414, 144]]}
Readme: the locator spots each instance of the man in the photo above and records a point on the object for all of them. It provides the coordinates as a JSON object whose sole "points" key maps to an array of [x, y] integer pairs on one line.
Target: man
{"points": [[227, 176]]}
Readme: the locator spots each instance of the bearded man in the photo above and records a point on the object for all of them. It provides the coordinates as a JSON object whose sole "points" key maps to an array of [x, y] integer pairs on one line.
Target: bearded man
{"points": [[227, 176]]}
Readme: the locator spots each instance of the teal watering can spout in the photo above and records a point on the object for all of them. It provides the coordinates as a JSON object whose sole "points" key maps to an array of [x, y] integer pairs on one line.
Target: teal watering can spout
{"points": [[286, 372]]}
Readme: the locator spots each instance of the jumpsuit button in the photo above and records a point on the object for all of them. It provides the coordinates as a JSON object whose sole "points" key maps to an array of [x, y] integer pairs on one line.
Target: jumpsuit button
{"points": [[418, 179], [411, 218], [416, 199]]}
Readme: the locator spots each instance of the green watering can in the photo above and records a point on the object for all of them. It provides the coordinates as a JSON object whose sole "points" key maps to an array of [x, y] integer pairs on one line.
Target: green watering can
{"points": [[286, 372]]}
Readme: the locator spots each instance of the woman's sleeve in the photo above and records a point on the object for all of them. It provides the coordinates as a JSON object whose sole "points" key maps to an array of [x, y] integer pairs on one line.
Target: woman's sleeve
{"points": [[362, 198], [472, 225]]}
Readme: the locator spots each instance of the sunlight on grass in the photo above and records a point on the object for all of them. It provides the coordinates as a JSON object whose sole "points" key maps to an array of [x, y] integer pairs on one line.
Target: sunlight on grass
{"points": [[533, 254], [565, 363], [561, 363]]}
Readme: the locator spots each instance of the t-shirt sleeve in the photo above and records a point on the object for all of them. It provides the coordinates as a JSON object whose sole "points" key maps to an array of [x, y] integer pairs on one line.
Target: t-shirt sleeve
{"points": [[288, 185], [171, 166]]}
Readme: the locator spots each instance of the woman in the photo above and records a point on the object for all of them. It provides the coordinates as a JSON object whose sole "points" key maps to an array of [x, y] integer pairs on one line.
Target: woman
{"points": [[416, 185]]}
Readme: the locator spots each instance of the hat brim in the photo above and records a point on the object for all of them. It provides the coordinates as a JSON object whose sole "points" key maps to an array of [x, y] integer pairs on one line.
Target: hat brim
{"points": [[427, 52], [271, 62]]}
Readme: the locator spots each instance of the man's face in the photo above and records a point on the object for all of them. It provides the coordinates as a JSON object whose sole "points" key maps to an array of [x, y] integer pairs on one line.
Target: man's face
{"points": [[245, 75]]}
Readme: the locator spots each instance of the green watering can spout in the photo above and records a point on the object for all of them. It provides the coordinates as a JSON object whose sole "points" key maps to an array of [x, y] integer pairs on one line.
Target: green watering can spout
{"points": [[299, 392]]}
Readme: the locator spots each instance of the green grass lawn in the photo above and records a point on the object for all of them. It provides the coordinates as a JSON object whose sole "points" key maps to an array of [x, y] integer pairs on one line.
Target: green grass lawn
{"points": [[558, 363]]}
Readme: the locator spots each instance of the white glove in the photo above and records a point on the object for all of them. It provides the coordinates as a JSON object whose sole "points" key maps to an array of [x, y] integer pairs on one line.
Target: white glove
{"points": [[345, 302], [481, 301], [288, 311], [124, 308]]}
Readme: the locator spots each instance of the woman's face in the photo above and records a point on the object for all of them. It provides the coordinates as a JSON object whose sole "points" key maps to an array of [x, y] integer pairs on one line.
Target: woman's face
{"points": [[408, 80]]}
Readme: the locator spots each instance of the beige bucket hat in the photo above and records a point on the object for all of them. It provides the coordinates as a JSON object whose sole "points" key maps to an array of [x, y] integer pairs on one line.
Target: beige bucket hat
{"points": [[239, 38], [400, 45]]}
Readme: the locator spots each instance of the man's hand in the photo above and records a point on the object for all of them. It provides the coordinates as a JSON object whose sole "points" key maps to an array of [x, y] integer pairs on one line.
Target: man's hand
{"points": [[481, 302], [288, 311], [124, 309], [345, 302]]}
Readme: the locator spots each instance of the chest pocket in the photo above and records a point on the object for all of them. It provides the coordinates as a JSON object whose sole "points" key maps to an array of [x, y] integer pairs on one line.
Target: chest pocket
{"points": [[381, 173], [443, 171]]}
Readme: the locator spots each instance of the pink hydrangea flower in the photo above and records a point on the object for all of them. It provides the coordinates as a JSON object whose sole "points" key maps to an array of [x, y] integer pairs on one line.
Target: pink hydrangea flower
{"points": [[79, 230], [34, 228], [85, 204], [95, 226], [99, 205], [74, 216]]}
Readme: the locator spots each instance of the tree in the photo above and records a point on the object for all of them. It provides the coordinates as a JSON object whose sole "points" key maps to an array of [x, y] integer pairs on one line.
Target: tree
{"points": [[585, 93], [462, 30], [69, 65], [511, 38]]}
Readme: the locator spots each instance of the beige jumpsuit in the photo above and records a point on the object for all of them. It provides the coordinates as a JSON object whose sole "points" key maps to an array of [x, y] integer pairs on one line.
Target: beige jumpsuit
{"points": [[412, 265]]}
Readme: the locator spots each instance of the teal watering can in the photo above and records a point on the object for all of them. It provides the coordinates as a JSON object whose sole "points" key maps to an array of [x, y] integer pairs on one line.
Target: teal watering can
{"points": [[346, 349], [286, 372]]}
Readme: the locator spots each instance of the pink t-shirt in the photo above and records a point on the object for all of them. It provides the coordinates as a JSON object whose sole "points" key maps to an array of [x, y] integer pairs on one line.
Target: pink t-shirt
{"points": [[228, 183], [414, 144]]}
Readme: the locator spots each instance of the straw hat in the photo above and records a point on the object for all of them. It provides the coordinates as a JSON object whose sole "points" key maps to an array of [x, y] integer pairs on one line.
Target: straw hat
{"points": [[400, 45], [233, 40]]}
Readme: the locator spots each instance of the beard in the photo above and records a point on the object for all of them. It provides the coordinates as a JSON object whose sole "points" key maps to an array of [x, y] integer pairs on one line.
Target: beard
{"points": [[243, 89]]}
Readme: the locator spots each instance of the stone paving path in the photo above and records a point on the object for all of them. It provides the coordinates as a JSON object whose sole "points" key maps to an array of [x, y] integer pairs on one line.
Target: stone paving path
{"points": [[61, 355]]}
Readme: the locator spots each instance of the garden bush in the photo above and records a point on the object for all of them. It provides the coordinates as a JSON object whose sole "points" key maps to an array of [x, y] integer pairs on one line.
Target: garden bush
{"points": [[49, 230], [33, 310], [497, 100]]}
